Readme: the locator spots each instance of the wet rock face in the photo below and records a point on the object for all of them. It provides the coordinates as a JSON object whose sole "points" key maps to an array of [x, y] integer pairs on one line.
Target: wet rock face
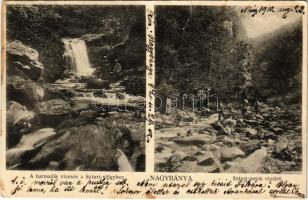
{"points": [[25, 59], [88, 142], [88, 147], [53, 107], [27, 146], [18, 113], [19, 121], [54, 111], [15, 156], [251, 164], [24, 91], [36, 138]]}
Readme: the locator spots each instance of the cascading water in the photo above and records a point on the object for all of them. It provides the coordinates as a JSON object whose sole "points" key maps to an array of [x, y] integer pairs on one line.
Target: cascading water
{"points": [[76, 56]]}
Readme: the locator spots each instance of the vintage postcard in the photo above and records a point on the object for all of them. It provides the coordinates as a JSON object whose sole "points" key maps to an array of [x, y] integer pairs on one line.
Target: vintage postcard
{"points": [[154, 99]]}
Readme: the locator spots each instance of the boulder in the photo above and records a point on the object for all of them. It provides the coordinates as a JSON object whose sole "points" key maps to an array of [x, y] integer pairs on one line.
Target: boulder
{"points": [[249, 115], [208, 129], [219, 128], [206, 159], [273, 123], [159, 149], [179, 134], [203, 132], [134, 99], [251, 122], [250, 132], [281, 145], [170, 145], [229, 164], [213, 147], [19, 121], [270, 142], [24, 91], [269, 135], [228, 130], [178, 156], [192, 166], [17, 113], [278, 130], [27, 146], [17, 155], [36, 139], [53, 91], [194, 140], [167, 123], [229, 122], [259, 117], [230, 153], [280, 166], [163, 156], [250, 146], [190, 117], [189, 150], [23, 58], [185, 116], [251, 164], [53, 111], [228, 141], [89, 146]]}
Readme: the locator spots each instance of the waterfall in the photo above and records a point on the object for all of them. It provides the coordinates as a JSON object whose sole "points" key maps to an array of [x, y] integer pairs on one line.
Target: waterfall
{"points": [[76, 56]]}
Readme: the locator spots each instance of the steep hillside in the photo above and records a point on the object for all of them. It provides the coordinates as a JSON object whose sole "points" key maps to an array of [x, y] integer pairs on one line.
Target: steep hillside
{"points": [[202, 47], [278, 61]]}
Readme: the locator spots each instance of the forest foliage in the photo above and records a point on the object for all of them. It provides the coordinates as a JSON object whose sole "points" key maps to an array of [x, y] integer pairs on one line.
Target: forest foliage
{"points": [[200, 48], [205, 47]]}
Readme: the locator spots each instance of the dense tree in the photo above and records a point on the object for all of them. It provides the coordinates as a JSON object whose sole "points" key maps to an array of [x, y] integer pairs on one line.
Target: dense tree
{"points": [[207, 47], [278, 59], [203, 47]]}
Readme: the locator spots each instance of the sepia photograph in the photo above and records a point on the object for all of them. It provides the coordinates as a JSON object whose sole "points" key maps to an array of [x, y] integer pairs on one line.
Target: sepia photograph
{"points": [[75, 80], [154, 99], [228, 89]]}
